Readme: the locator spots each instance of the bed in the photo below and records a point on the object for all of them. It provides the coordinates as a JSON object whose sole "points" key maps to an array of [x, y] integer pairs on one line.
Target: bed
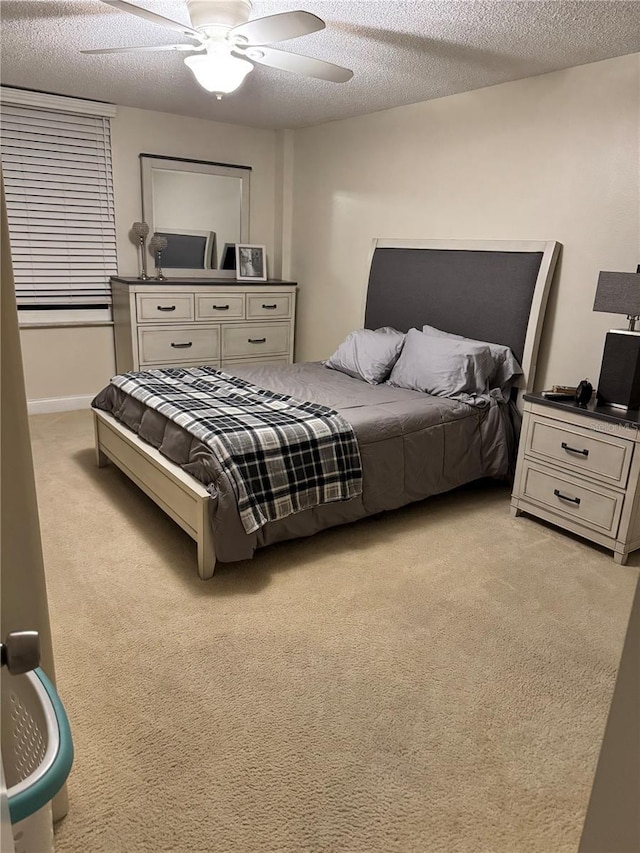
{"points": [[412, 445]]}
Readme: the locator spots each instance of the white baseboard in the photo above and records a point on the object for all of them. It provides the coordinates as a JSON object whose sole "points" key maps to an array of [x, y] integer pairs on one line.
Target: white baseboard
{"points": [[59, 404]]}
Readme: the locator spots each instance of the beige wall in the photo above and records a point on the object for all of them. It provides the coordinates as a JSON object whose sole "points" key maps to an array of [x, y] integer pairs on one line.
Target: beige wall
{"points": [[75, 363], [135, 131], [550, 157]]}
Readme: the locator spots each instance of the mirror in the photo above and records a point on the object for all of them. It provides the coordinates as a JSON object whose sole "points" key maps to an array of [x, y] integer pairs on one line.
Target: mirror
{"points": [[201, 208]]}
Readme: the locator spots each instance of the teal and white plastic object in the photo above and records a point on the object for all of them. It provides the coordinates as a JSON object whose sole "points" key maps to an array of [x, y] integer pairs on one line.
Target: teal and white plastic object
{"points": [[37, 754]]}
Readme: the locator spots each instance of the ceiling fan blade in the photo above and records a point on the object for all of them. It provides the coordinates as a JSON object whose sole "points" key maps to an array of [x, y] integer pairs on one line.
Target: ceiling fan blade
{"points": [[297, 64], [152, 47], [286, 25], [124, 6]]}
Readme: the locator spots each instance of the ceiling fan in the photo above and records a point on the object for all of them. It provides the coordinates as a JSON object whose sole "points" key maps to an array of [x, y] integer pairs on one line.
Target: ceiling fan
{"points": [[227, 43]]}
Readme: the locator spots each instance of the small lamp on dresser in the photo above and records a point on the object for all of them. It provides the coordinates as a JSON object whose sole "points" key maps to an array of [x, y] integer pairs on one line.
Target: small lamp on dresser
{"points": [[619, 383]]}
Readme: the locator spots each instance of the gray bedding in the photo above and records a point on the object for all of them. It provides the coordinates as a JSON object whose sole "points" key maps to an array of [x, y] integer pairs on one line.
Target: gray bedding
{"points": [[412, 446]]}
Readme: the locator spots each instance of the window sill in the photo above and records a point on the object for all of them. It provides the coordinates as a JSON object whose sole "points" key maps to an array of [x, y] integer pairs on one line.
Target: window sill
{"points": [[64, 317], [63, 324]]}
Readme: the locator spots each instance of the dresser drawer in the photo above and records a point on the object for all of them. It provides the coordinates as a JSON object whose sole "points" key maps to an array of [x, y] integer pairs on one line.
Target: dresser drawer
{"points": [[573, 499], [255, 340], [220, 306], [600, 455], [267, 306], [185, 344], [165, 308]]}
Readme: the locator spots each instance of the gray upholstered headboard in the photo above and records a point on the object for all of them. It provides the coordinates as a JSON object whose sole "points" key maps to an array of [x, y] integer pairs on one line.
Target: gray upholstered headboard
{"points": [[491, 291]]}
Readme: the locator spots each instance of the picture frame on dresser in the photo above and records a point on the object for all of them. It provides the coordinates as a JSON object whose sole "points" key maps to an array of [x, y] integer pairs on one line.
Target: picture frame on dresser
{"points": [[228, 257], [251, 262]]}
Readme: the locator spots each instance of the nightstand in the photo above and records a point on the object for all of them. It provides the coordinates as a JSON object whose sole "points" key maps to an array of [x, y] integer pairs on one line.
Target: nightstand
{"points": [[579, 468]]}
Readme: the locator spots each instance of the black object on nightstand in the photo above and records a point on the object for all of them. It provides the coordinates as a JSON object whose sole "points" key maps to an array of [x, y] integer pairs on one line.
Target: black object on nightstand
{"points": [[619, 383], [584, 392]]}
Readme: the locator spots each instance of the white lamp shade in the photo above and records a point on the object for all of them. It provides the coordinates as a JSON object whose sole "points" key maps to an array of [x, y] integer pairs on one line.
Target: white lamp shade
{"points": [[219, 73]]}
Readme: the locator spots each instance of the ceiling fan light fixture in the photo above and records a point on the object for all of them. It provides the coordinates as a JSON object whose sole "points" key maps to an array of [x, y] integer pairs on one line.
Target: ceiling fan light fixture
{"points": [[218, 73]]}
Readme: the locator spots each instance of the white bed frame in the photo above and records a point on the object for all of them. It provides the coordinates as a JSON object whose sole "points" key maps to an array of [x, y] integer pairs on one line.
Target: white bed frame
{"points": [[181, 496], [186, 500]]}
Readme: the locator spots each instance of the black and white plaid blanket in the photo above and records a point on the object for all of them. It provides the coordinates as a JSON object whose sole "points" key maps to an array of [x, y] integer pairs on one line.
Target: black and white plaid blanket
{"points": [[281, 455]]}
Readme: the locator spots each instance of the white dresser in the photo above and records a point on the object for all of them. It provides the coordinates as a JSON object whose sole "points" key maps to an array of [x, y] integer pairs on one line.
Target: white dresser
{"points": [[191, 322], [580, 469]]}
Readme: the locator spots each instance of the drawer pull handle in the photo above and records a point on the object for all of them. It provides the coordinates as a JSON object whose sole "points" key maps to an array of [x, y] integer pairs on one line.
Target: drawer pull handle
{"points": [[565, 446], [220, 307], [559, 494], [269, 306], [166, 307], [256, 340], [183, 346]]}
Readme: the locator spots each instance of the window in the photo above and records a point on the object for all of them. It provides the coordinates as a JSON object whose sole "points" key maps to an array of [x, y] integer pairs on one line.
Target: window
{"points": [[56, 159]]}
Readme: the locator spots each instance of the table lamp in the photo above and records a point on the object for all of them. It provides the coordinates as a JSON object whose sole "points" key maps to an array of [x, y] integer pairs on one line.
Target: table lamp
{"points": [[619, 383]]}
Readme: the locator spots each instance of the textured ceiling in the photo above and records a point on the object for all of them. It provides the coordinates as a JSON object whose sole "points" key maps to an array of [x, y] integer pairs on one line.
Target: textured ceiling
{"points": [[400, 52]]}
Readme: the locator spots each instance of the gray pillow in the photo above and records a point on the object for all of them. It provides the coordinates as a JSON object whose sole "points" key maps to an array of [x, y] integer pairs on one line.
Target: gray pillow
{"points": [[441, 366], [368, 354], [506, 365]]}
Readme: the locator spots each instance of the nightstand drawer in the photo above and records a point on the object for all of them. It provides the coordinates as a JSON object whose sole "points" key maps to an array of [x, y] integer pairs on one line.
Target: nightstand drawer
{"points": [[165, 308], [573, 499], [221, 306], [255, 340], [190, 344], [594, 454], [268, 307]]}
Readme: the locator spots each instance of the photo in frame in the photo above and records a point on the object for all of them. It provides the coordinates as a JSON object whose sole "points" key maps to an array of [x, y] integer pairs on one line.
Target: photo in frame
{"points": [[251, 262]]}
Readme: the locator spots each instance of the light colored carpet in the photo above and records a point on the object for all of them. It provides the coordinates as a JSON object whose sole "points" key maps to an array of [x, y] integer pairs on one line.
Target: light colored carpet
{"points": [[437, 680]]}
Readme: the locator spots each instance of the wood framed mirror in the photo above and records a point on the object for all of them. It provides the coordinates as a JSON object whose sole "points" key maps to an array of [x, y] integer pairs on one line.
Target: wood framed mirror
{"points": [[201, 207]]}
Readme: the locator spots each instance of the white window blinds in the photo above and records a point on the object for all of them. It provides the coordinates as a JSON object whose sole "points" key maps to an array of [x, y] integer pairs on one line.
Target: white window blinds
{"points": [[59, 190]]}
